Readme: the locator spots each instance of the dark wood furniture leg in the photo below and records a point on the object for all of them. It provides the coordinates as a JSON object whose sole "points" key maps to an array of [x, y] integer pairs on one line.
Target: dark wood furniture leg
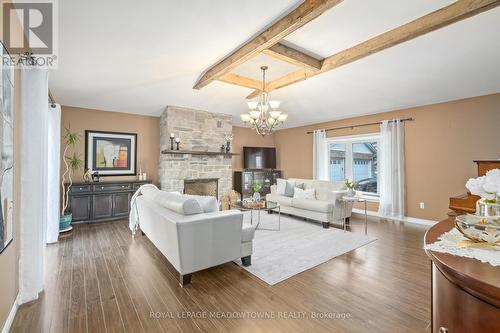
{"points": [[326, 225], [247, 261], [185, 279]]}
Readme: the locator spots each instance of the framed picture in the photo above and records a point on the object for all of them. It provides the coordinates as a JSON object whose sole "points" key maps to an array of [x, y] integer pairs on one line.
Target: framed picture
{"points": [[111, 153], [6, 149]]}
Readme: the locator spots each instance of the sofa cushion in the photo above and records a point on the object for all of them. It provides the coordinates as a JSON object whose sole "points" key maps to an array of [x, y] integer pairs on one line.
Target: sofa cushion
{"points": [[281, 199], [324, 189], [209, 204], [304, 194], [247, 232], [314, 205]]}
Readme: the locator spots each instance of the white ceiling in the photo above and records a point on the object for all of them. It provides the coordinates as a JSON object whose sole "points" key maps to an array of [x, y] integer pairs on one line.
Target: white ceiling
{"points": [[140, 56]]}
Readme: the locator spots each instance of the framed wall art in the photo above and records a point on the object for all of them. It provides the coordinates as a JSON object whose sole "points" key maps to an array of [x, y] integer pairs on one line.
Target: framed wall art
{"points": [[111, 153]]}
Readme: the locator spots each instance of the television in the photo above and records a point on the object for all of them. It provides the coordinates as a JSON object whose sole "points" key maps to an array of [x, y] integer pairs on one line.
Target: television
{"points": [[259, 158]]}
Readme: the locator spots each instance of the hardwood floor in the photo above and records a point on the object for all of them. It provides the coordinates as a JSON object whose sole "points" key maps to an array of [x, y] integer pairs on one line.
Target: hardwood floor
{"points": [[99, 280]]}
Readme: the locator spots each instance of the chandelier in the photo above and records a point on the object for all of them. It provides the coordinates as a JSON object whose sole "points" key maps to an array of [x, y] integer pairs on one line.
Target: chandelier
{"points": [[264, 115]]}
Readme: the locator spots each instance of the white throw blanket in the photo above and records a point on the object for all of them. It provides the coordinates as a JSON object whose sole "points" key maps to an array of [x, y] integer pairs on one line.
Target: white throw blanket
{"points": [[133, 220]]}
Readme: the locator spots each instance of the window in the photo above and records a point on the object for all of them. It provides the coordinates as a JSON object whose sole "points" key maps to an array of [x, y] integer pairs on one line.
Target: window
{"points": [[355, 158]]}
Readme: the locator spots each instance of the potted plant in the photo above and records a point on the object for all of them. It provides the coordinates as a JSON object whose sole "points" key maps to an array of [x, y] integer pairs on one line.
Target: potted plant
{"points": [[72, 163], [350, 184], [256, 187]]}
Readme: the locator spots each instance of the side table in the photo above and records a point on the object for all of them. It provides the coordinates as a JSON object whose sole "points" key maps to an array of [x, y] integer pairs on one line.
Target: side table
{"points": [[348, 199]]}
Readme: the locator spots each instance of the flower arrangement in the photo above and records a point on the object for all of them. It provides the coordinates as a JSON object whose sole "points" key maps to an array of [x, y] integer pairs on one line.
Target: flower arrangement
{"points": [[350, 184], [487, 186]]}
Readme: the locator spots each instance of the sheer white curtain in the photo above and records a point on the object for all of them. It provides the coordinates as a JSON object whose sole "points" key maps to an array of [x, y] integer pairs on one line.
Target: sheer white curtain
{"points": [[34, 92], [391, 168], [52, 188], [320, 155]]}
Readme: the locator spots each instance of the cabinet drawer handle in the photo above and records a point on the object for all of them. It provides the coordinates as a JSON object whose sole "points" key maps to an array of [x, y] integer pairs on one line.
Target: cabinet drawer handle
{"points": [[102, 187], [81, 188], [443, 330]]}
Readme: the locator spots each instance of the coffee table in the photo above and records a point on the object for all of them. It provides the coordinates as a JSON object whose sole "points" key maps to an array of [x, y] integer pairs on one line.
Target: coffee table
{"points": [[268, 206]]}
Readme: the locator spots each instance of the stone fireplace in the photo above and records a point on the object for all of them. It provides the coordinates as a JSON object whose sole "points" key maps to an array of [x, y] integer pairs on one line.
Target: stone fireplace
{"points": [[208, 186], [198, 131]]}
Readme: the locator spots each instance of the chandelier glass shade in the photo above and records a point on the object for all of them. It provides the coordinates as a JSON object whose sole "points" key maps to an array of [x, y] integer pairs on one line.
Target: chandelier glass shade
{"points": [[264, 115]]}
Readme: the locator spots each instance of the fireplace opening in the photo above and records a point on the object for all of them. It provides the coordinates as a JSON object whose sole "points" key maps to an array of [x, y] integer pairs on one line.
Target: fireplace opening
{"points": [[209, 186]]}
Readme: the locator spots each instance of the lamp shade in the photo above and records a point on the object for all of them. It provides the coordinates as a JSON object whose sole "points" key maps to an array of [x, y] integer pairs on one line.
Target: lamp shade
{"points": [[254, 114], [274, 104], [245, 117], [283, 117], [274, 114], [252, 105]]}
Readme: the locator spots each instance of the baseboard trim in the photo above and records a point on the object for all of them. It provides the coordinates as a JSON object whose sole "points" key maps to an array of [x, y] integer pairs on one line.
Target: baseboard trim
{"points": [[12, 314], [408, 219]]}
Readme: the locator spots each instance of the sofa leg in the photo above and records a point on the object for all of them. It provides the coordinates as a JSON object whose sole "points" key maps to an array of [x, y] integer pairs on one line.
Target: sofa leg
{"points": [[185, 279], [246, 261], [142, 233], [326, 225], [347, 220]]}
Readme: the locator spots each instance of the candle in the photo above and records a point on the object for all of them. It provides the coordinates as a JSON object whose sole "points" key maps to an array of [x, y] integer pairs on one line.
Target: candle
{"points": [[172, 135], [177, 140]]}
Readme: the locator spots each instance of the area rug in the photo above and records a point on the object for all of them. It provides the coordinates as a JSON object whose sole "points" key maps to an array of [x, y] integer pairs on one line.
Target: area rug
{"points": [[297, 247]]}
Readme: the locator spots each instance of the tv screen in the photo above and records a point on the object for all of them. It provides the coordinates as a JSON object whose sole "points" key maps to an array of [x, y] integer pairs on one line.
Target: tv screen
{"points": [[259, 158]]}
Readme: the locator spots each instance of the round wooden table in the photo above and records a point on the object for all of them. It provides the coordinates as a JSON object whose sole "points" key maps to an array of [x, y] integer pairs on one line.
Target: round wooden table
{"points": [[465, 292]]}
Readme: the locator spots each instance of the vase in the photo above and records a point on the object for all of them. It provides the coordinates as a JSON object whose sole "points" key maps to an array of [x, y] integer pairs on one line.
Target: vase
{"points": [[228, 147], [65, 221], [351, 192], [256, 196], [487, 208]]}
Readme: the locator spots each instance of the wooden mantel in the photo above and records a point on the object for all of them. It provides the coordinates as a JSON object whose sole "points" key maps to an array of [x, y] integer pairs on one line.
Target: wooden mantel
{"points": [[197, 152]]}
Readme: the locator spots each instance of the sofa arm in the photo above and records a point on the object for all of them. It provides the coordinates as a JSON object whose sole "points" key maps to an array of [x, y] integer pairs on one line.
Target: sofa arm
{"points": [[337, 195], [209, 239]]}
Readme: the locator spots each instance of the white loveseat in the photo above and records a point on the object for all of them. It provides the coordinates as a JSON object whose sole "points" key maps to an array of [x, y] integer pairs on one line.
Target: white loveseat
{"points": [[325, 207], [197, 241]]}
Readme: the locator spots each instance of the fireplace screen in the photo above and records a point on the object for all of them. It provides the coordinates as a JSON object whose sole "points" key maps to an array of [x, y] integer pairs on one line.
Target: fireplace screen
{"points": [[202, 187]]}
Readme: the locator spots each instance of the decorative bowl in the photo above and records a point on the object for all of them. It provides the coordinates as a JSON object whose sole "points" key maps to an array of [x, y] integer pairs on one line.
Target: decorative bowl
{"points": [[479, 228]]}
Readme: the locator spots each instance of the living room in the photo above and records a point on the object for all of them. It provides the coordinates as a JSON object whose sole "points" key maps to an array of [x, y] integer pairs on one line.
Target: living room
{"points": [[312, 165]]}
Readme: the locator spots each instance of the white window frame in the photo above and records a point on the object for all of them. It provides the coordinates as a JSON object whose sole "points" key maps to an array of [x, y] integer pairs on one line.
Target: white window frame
{"points": [[348, 141]]}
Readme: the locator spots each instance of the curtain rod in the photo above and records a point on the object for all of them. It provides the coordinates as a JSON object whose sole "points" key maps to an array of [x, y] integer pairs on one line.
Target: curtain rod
{"points": [[359, 125]]}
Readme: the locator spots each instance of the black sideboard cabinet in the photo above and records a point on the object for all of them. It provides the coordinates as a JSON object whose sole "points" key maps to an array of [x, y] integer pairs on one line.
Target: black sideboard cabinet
{"points": [[102, 201], [243, 181]]}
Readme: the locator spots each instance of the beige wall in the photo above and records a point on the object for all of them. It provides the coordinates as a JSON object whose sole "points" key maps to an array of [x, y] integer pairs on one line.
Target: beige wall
{"points": [[246, 137], [9, 259], [147, 129], [440, 145]]}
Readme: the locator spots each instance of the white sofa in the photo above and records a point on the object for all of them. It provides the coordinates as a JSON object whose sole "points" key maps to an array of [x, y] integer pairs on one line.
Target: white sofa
{"points": [[197, 241], [325, 208]]}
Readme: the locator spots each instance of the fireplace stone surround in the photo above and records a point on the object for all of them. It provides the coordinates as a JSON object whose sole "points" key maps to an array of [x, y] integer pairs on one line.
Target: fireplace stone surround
{"points": [[199, 131]]}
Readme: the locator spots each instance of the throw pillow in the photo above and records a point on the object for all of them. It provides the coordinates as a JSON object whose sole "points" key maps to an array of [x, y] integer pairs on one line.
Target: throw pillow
{"points": [[300, 185], [280, 186], [289, 190], [209, 204], [178, 203], [304, 194]]}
